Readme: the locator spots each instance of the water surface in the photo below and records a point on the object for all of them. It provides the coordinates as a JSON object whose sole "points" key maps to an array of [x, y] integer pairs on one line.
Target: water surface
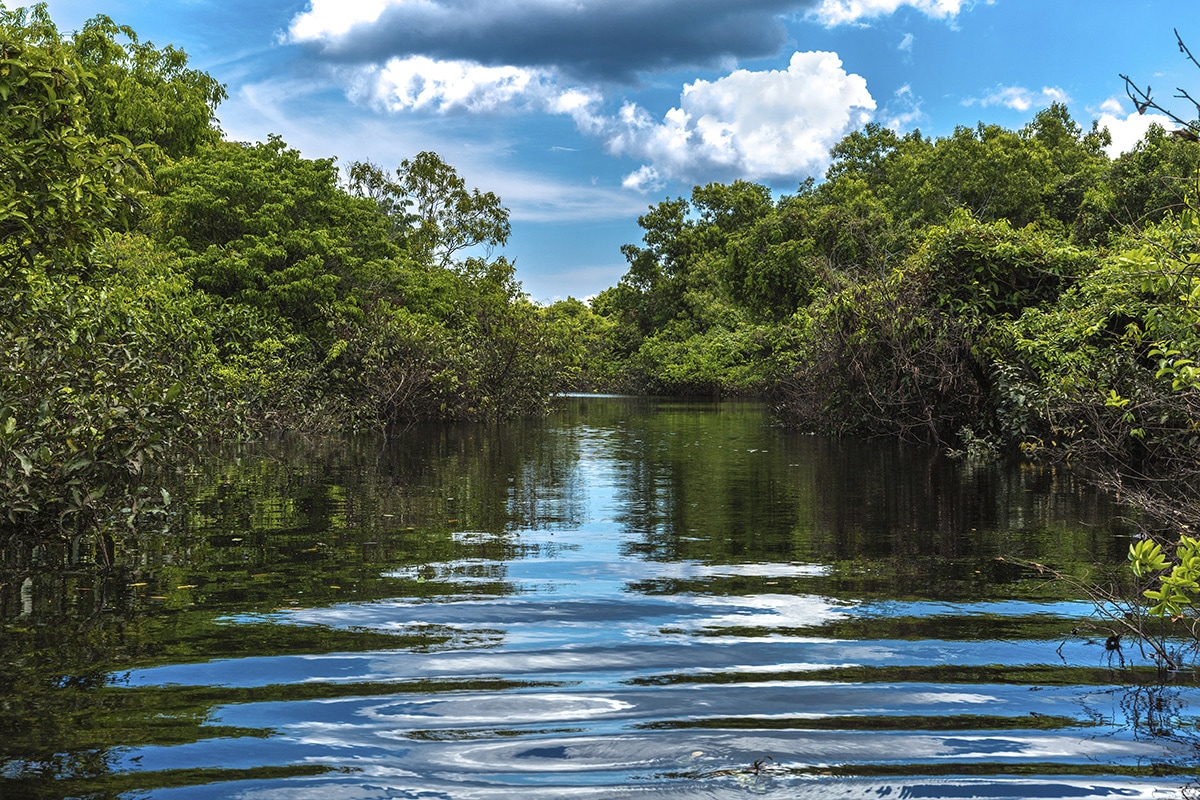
{"points": [[633, 598]]}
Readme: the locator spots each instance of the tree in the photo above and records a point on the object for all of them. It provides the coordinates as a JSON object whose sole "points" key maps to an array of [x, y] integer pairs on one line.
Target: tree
{"points": [[774, 265], [1080, 165], [431, 209], [145, 94], [1148, 182], [992, 172], [102, 380], [262, 226], [650, 292], [61, 184], [986, 270], [865, 154], [889, 167], [585, 340]]}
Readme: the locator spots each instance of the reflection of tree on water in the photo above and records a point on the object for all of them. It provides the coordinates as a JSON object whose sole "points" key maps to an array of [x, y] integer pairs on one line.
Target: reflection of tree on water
{"points": [[715, 484], [60, 624], [254, 529], [294, 530], [1156, 713]]}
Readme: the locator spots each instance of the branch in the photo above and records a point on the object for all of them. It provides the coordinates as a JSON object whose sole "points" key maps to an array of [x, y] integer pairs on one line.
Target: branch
{"points": [[1183, 48], [1143, 101]]}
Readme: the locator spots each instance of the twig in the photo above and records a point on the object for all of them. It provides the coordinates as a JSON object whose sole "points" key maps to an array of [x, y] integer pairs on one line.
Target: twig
{"points": [[1183, 48], [1143, 100]]}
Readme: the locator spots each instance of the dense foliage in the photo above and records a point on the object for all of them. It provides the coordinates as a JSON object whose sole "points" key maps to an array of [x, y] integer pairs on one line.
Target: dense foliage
{"points": [[161, 287], [989, 291]]}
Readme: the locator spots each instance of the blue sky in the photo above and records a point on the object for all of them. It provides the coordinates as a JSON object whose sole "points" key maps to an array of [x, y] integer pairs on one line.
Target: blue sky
{"points": [[581, 114]]}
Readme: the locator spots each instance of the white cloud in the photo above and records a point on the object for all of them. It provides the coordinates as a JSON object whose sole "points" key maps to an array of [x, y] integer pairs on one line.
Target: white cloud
{"points": [[1019, 98], [1126, 128], [843, 12], [756, 125], [418, 83], [644, 180], [336, 17], [906, 44], [903, 111]]}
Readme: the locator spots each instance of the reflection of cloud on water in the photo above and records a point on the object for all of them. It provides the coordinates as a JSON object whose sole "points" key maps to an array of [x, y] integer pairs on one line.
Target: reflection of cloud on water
{"points": [[950, 698], [552, 560], [494, 709], [683, 570], [767, 611], [998, 608], [377, 781], [550, 662]]}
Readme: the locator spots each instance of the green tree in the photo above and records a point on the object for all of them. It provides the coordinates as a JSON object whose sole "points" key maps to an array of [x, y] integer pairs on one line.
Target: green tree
{"points": [[986, 270], [145, 94], [1150, 181], [585, 339], [871, 169], [1041, 173], [773, 262], [1111, 365], [61, 184], [431, 209], [1080, 166], [992, 172], [261, 226], [103, 379]]}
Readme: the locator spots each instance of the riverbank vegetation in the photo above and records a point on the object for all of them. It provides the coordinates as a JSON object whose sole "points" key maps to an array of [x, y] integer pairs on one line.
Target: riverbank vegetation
{"points": [[160, 286], [990, 291]]}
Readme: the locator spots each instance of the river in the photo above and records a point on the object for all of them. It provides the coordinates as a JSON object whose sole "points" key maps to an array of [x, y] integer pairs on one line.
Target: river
{"points": [[634, 598]]}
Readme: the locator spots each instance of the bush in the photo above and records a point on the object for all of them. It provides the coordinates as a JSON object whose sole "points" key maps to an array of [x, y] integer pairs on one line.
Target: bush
{"points": [[102, 381], [876, 359], [719, 361], [1113, 363]]}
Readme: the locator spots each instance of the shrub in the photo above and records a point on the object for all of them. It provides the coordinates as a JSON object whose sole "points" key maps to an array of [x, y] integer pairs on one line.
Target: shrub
{"points": [[102, 381]]}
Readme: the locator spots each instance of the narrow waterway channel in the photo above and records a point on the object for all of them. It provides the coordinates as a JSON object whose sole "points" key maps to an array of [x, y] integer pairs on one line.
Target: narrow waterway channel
{"points": [[632, 598]]}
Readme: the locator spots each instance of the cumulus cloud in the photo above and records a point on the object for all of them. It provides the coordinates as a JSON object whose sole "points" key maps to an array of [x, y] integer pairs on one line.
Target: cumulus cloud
{"points": [[644, 179], [1018, 98], [1127, 127], [589, 40], [325, 19], [586, 40], [569, 57], [843, 12], [770, 125]]}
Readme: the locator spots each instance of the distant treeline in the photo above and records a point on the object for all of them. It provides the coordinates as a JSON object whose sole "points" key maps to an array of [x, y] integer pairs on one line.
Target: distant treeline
{"points": [[991, 291]]}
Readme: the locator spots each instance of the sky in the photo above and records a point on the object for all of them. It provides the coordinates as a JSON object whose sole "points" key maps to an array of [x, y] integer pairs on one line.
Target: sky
{"points": [[582, 114]]}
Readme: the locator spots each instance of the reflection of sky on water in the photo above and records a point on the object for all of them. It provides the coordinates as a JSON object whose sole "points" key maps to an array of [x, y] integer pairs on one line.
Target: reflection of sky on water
{"points": [[619, 662], [659, 645], [380, 782]]}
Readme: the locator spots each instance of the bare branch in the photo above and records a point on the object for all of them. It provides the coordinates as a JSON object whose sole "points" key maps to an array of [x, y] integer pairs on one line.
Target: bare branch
{"points": [[1144, 101], [1141, 100], [1183, 48]]}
